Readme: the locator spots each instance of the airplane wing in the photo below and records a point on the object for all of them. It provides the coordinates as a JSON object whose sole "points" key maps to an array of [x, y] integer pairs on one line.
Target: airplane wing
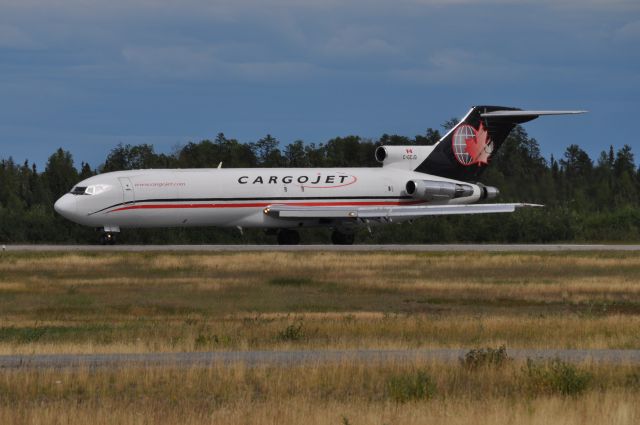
{"points": [[387, 213]]}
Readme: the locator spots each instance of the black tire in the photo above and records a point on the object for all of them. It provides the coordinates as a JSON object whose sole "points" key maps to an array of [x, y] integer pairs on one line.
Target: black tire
{"points": [[288, 237], [339, 238], [107, 239]]}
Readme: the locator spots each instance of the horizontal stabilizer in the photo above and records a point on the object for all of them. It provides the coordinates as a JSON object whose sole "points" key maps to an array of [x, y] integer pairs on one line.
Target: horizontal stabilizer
{"points": [[509, 113]]}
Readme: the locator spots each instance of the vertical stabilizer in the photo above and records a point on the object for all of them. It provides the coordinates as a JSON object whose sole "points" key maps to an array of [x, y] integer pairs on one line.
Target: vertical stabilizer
{"points": [[466, 150]]}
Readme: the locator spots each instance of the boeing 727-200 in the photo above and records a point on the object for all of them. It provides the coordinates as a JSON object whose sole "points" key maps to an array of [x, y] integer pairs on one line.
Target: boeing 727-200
{"points": [[413, 182]]}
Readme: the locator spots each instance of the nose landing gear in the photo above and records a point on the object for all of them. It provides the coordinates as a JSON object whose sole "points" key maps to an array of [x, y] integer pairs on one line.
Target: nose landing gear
{"points": [[108, 235]]}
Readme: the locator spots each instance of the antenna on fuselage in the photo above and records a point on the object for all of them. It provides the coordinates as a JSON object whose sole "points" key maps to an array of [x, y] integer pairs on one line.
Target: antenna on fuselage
{"points": [[220, 165]]}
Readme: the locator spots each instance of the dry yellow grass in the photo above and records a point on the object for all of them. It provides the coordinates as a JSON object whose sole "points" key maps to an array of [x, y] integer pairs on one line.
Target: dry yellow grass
{"points": [[330, 331], [114, 302], [316, 394], [109, 302], [605, 409]]}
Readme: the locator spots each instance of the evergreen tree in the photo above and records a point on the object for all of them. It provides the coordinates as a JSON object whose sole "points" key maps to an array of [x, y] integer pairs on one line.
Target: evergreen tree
{"points": [[268, 153], [295, 155], [584, 201], [60, 174]]}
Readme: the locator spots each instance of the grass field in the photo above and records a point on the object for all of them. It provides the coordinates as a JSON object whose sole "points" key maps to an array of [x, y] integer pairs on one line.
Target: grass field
{"points": [[137, 302], [140, 302], [344, 393]]}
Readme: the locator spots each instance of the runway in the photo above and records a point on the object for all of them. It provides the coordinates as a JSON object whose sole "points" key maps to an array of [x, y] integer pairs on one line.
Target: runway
{"points": [[330, 248], [293, 358]]}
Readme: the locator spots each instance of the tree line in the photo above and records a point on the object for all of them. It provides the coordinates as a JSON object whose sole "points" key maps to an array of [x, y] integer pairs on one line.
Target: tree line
{"points": [[586, 199]]}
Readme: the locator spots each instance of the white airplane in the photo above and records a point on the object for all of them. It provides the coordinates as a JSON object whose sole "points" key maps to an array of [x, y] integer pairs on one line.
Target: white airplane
{"points": [[413, 182]]}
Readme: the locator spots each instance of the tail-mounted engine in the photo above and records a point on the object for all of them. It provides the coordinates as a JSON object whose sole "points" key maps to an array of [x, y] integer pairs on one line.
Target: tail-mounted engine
{"points": [[432, 190], [403, 157]]}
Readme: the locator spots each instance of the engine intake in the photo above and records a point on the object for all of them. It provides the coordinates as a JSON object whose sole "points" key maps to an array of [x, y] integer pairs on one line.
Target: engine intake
{"points": [[432, 190], [380, 154]]}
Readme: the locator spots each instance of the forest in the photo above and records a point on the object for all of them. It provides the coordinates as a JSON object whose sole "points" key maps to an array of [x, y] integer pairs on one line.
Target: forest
{"points": [[586, 199]]}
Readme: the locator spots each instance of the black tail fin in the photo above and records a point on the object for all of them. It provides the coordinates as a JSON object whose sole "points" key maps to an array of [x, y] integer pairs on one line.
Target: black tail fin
{"points": [[466, 150]]}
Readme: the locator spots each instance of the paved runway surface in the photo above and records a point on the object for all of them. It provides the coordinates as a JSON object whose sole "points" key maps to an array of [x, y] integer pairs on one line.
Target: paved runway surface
{"points": [[348, 248], [286, 358]]}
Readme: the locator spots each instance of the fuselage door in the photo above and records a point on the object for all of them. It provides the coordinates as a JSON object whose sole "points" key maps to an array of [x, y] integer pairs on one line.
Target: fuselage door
{"points": [[127, 189]]}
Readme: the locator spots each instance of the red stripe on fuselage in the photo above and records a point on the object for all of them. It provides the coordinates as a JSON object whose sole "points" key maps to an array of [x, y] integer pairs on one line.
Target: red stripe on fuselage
{"points": [[266, 204]]}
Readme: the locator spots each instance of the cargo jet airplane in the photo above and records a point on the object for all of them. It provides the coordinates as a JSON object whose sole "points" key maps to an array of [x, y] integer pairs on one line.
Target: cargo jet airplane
{"points": [[413, 182]]}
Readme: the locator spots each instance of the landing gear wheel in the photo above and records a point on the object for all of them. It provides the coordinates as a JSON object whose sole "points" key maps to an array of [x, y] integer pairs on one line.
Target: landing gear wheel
{"points": [[288, 237], [107, 238], [339, 238]]}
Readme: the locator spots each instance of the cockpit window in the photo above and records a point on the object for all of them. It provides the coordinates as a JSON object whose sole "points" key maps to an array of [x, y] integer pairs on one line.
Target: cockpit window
{"points": [[97, 189], [78, 190], [94, 189]]}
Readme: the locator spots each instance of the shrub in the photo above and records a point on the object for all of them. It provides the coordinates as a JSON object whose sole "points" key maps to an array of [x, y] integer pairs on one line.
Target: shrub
{"points": [[556, 377], [293, 332], [482, 357], [411, 386], [202, 341]]}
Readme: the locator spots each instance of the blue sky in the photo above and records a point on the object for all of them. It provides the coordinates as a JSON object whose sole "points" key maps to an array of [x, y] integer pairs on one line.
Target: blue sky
{"points": [[86, 74]]}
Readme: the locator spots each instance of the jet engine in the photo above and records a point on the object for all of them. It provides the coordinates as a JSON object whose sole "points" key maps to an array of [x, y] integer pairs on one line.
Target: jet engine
{"points": [[433, 190], [488, 192], [404, 157]]}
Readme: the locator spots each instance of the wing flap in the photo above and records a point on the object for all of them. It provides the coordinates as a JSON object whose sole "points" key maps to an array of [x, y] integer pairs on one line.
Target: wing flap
{"points": [[345, 212]]}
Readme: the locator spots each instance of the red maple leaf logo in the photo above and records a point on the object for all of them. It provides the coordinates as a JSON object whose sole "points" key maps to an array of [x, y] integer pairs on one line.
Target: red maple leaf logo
{"points": [[479, 147]]}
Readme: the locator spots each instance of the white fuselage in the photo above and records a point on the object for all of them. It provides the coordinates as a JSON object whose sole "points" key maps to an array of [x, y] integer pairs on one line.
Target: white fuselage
{"points": [[234, 197]]}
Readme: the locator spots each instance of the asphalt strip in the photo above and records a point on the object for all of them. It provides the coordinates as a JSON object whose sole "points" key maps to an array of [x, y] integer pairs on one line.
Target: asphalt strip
{"points": [[329, 248], [293, 358]]}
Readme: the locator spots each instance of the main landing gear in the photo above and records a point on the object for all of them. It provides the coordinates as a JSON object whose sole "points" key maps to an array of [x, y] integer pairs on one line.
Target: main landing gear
{"points": [[288, 237], [107, 238], [339, 238]]}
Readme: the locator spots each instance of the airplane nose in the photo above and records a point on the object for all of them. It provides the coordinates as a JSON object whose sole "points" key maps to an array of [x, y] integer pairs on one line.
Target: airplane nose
{"points": [[66, 205]]}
